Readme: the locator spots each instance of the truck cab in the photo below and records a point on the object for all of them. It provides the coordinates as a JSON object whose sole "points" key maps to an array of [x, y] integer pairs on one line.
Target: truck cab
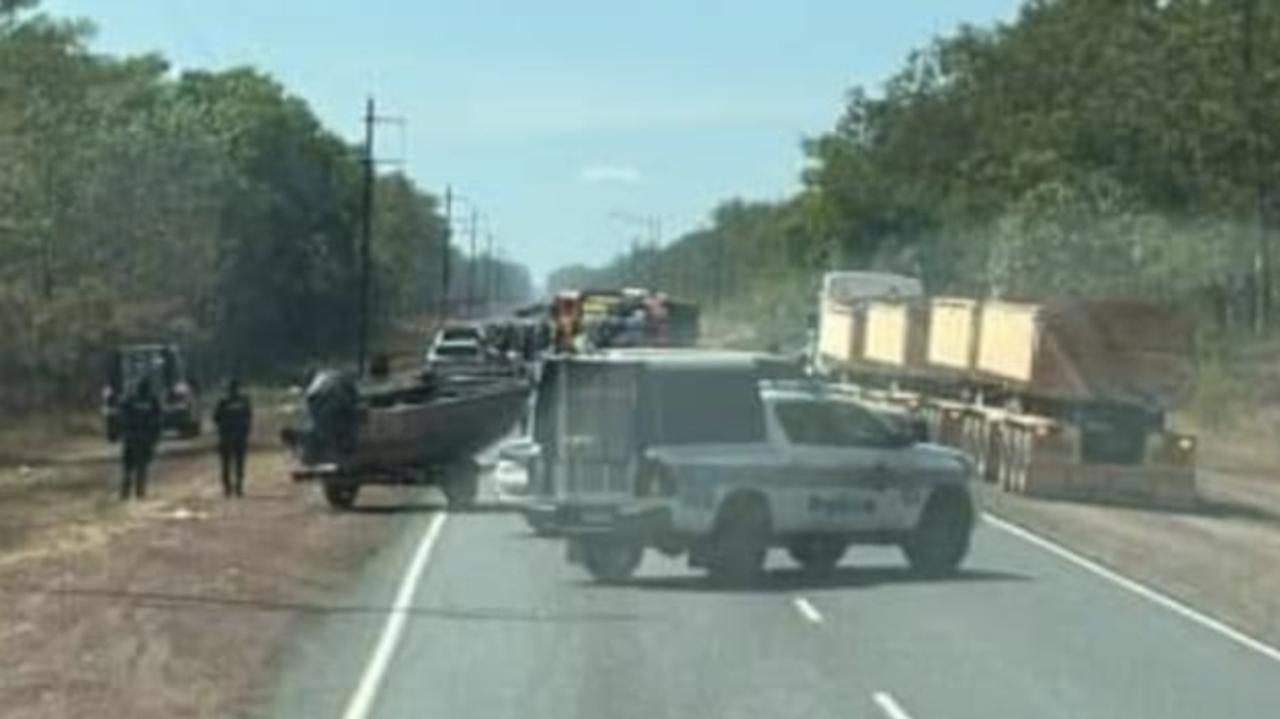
{"points": [[713, 456]]}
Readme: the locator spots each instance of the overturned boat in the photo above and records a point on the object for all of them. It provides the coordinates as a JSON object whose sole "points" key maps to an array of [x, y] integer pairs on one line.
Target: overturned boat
{"points": [[420, 429]]}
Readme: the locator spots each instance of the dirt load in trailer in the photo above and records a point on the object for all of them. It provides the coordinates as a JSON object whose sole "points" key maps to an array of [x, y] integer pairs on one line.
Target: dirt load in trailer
{"points": [[1065, 398]]}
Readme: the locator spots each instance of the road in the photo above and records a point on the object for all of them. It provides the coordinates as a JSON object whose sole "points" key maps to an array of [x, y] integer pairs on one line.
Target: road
{"points": [[499, 625]]}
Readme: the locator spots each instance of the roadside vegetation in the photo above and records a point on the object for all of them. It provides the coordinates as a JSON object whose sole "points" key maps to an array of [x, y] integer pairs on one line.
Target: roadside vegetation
{"points": [[1089, 147], [138, 203]]}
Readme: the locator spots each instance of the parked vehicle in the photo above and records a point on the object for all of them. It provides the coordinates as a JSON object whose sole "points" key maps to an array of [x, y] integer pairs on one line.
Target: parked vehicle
{"points": [[462, 354], [164, 367], [699, 454], [1064, 398], [459, 333]]}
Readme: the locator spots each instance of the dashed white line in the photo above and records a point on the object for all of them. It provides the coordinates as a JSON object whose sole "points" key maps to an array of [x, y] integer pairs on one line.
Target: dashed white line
{"points": [[366, 693], [890, 706], [1135, 587], [807, 610]]}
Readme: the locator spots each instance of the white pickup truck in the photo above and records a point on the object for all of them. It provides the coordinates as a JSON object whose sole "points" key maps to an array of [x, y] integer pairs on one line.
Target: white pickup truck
{"points": [[693, 452]]}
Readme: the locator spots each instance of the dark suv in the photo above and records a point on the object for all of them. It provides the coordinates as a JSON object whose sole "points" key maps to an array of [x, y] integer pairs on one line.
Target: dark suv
{"points": [[163, 366]]}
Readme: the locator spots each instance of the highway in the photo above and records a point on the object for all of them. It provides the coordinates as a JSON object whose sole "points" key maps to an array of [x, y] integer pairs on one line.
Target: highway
{"points": [[497, 624]]}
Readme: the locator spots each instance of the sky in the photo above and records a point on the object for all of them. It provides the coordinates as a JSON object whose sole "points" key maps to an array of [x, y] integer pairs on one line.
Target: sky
{"points": [[559, 119]]}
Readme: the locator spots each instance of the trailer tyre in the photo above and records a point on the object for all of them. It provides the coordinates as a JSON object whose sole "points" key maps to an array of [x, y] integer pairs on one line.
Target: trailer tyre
{"points": [[461, 484], [611, 559], [341, 496], [940, 541], [740, 540]]}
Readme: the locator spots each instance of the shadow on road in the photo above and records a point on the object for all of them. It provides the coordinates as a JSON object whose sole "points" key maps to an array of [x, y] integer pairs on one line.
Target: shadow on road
{"points": [[433, 507], [108, 455], [1232, 509], [791, 580], [172, 601]]}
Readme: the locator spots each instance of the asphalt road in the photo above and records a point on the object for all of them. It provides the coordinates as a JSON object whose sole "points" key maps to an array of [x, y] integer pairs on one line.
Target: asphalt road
{"points": [[499, 625]]}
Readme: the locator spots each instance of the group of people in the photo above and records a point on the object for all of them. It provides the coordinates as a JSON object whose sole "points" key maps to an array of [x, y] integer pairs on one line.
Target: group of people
{"points": [[142, 422]]}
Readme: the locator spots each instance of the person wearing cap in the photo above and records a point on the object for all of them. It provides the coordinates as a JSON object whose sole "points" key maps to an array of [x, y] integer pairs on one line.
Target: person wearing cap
{"points": [[234, 419]]}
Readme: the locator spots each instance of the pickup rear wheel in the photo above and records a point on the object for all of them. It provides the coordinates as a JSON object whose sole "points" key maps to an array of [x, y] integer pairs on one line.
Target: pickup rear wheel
{"points": [[341, 496], [940, 540], [610, 559], [817, 555], [741, 540]]}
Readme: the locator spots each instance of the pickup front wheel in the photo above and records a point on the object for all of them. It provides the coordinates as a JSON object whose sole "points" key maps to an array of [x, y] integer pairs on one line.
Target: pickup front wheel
{"points": [[940, 540], [740, 541]]}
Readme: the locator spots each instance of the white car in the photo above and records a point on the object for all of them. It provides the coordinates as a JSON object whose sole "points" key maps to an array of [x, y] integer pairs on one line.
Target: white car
{"points": [[456, 352], [691, 453]]}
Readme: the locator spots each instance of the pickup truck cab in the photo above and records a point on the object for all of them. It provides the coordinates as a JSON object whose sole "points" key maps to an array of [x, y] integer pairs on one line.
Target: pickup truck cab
{"points": [[709, 455]]}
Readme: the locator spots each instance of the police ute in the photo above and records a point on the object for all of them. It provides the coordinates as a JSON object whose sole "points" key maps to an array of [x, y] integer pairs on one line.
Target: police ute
{"points": [[720, 457]]}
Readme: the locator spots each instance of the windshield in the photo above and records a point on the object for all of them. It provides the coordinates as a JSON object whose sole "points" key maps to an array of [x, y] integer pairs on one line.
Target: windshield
{"points": [[458, 333], [829, 424], [457, 351], [642, 360]]}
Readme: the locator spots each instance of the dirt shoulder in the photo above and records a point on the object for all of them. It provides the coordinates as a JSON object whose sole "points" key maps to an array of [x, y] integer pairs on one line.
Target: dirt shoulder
{"points": [[173, 606], [1223, 559]]}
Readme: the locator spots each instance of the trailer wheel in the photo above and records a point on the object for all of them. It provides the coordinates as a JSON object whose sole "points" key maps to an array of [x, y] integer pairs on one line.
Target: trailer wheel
{"points": [[1019, 459], [818, 555], [940, 539], [341, 496], [610, 559], [461, 484], [740, 540]]}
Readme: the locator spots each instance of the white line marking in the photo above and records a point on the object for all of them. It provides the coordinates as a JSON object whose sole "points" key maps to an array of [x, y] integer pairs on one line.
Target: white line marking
{"points": [[361, 702], [1152, 595], [889, 706], [807, 610]]}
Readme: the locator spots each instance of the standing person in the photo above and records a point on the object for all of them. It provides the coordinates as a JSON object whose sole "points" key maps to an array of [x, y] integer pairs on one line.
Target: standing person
{"points": [[140, 423], [234, 418]]}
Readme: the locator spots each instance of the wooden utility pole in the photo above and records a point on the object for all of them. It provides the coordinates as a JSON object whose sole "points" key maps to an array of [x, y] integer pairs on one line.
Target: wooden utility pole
{"points": [[488, 272], [366, 229], [445, 252], [471, 267]]}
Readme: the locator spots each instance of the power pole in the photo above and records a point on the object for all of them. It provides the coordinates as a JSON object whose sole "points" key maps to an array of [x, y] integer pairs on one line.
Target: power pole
{"points": [[445, 252], [471, 268], [366, 227], [488, 272]]}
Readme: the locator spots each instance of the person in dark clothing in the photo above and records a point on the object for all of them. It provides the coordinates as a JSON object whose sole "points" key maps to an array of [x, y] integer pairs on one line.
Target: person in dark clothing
{"points": [[234, 418], [140, 423]]}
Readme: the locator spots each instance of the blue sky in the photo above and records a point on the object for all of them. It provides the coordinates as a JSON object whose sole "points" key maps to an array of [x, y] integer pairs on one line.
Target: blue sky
{"points": [[553, 115]]}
